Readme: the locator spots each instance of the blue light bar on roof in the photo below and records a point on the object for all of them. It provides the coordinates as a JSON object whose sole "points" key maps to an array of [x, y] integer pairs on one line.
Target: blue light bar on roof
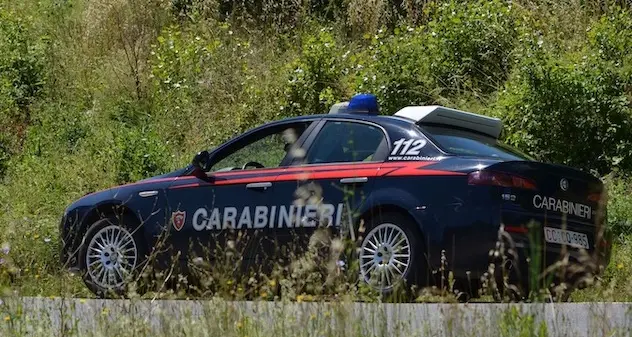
{"points": [[363, 104]]}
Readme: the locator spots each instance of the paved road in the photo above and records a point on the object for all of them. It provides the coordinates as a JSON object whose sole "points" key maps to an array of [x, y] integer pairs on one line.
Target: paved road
{"points": [[174, 317]]}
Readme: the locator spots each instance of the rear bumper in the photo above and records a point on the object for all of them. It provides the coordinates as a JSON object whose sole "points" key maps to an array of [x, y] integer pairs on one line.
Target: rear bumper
{"points": [[528, 260]]}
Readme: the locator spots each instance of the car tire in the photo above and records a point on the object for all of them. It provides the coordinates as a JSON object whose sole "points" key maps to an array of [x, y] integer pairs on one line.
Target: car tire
{"points": [[392, 254], [111, 256]]}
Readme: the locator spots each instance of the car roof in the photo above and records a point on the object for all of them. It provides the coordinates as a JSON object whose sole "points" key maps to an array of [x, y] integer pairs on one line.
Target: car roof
{"points": [[379, 119]]}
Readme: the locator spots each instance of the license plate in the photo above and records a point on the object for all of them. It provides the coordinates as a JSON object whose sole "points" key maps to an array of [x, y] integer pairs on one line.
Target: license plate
{"points": [[564, 237]]}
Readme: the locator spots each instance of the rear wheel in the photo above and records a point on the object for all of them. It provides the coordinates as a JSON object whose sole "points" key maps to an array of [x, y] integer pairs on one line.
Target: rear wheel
{"points": [[111, 256], [392, 254]]}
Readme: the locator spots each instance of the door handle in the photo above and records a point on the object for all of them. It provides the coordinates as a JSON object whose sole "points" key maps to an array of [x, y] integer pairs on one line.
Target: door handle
{"points": [[262, 186], [355, 180]]}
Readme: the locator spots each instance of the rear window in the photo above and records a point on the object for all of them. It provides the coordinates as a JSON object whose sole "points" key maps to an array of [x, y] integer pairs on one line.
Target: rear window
{"points": [[466, 143]]}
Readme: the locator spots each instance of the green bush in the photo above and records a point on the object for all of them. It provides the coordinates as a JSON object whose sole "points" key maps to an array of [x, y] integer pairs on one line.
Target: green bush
{"points": [[611, 36], [317, 77], [139, 154], [407, 83], [21, 61], [464, 50], [21, 79], [620, 206], [469, 45], [573, 113]]}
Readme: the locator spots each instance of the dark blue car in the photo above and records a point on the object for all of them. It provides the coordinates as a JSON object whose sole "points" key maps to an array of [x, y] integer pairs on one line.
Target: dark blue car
{"points": [[426, 185]]}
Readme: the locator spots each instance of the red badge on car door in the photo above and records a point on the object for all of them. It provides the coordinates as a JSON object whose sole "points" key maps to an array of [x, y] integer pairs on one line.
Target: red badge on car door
{"points": [[177, 218]]}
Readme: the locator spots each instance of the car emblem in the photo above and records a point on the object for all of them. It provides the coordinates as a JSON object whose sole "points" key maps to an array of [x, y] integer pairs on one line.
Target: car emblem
{"points": [[178, 218], [564, 184]]}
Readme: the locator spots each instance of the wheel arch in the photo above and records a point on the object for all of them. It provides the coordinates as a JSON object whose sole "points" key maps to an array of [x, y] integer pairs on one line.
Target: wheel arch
{"points": [[394, 199], [391, 208], [98, 212]]}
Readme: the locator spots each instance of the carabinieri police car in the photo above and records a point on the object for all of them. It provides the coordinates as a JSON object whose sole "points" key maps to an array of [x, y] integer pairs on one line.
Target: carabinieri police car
{"points": [[430, 185]]}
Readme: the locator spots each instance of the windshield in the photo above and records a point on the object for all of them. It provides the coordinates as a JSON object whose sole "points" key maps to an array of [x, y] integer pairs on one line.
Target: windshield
{"points": [[466, 143]]}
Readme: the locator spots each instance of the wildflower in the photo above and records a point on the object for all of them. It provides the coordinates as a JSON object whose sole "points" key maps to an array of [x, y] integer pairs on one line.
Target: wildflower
{"points": [[47, 240], [299, 298], [263, 294], [239, 325], [5, 249], [620, 266], [7, 318], [272, 283]]}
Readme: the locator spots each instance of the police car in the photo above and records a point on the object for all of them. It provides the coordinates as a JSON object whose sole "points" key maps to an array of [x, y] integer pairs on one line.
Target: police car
{"points": [[429, 186]]}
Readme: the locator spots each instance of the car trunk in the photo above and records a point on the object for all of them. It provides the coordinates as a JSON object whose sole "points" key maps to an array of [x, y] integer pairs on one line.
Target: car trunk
{"points": [[566, 204]]}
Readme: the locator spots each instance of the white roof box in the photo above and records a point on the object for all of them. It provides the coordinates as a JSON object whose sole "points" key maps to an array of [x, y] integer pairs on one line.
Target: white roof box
{"points": [[436, 114]]}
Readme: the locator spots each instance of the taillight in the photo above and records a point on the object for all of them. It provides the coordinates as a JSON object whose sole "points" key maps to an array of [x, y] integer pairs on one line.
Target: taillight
{"points": [[500, 179], [597, 197]]}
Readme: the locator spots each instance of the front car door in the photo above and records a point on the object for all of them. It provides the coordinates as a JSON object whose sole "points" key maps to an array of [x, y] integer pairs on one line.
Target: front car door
{"points": [[224, 214]]}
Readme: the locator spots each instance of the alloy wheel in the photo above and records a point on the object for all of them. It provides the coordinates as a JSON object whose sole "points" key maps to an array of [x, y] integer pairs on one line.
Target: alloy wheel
{"points": [[111, 257], [385, 256]]}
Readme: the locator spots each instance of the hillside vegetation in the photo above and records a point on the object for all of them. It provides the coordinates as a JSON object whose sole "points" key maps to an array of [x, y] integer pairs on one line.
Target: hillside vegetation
{"points": [[99, 93]]}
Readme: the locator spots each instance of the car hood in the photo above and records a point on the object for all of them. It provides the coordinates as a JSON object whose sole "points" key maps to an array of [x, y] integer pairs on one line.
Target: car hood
{"points": [[173, 174]]}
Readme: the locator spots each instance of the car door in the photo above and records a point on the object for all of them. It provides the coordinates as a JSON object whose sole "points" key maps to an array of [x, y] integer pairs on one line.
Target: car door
{"points": [[328, 186], [225, 213]]}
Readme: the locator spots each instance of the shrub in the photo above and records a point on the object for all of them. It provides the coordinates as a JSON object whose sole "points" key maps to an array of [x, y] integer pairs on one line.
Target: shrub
{"points": [[620, 206], [611, 36], [573, 113], [21, 80], [316, 79], [397, 70], [465, 49], [140, 154], [469, 45], [21, 61]]}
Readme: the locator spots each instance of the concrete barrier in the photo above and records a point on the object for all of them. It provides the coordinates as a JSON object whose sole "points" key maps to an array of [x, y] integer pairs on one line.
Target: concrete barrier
{"points": [[63, 316]]}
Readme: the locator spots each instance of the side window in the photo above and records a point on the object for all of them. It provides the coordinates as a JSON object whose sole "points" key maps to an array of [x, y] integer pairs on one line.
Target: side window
{"points": [[265, 149], [341, 142]]}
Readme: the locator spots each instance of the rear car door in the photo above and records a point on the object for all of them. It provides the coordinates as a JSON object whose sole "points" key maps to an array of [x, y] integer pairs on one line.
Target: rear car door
{"points": [[330, 183], [227, 212]]}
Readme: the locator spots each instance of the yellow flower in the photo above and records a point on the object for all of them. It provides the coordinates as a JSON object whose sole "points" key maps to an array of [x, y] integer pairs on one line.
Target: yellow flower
{"points": [[36, 236], [264, 294], [620, 266], [239, 325], [7, 318], [272, 283], [82, 300], [229, 282], [312, 317], [299, 298]]}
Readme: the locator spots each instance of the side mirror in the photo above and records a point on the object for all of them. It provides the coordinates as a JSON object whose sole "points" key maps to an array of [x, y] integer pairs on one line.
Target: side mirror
{"points": [[202, 161]]}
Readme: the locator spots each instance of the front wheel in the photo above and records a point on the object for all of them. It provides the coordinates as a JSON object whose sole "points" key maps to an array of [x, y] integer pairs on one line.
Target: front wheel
{"points": [[392, 253], [111, 255]]}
